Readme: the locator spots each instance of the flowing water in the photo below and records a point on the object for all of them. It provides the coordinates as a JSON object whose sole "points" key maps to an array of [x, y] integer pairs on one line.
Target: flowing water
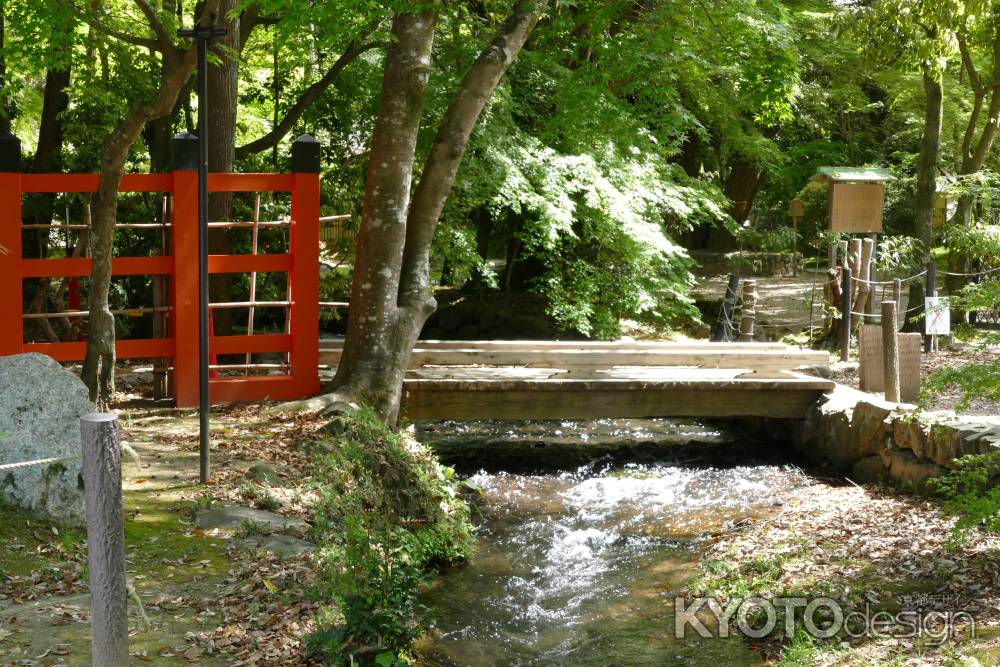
{"points": [[582, 567]]}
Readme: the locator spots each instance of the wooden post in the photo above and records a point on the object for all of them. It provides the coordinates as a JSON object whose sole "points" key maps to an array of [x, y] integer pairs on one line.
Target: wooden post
{"points": [[897, 296], [890, 351], [930, 342], [864, 285], [11, 299], [184, 291], [303, 279], [748, 312], [845, 314], [102, 479], [725, 328], [873, 306]]}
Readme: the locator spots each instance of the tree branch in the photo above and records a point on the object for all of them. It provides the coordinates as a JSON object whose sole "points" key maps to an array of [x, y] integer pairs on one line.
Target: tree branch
{"points": [[153, 19], [970, 67], [438, 176], [978, 157], [306, 99], [97, 24]]}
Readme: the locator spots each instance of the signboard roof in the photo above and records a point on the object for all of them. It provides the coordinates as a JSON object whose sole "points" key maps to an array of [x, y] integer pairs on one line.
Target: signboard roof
{"points": [[853, 174]]}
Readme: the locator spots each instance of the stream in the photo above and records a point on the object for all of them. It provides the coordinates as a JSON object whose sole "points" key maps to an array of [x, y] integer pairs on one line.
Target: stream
{"points": [[581, 567]]}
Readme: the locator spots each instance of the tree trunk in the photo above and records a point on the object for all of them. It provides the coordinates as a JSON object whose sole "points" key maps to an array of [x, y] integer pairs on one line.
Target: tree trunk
{"points": [[393, 297], [6, 112], [927, 164], [98, 366], [223, 91], [373, 361], [741, 188]]}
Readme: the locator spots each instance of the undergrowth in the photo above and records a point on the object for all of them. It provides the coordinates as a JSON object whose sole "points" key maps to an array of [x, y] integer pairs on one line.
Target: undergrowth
{"points": [[387, 516], [970, 493]]}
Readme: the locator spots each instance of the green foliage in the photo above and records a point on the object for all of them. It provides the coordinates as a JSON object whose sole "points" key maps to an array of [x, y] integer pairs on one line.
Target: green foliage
{"points": [[387, 515], [775, 239], [898, 257], [975, 242], [971, 493], [972, 380]]}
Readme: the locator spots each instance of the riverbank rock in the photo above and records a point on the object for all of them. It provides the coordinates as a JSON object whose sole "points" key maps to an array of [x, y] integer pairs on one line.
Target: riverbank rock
{"points": [[872, 439], [265, 473], [40, 408], [232, 518]]}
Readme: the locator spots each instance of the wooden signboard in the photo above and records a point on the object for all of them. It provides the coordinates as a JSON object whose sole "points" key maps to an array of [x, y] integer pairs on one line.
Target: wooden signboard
{"points": [[796, 208], [871, 372], [856, 207]]}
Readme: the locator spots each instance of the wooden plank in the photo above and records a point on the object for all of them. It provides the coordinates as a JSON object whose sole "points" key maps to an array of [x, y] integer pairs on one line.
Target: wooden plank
{"points": [[870, 375], [560, 384], [332, 344], [682, 400], [762, 360]]}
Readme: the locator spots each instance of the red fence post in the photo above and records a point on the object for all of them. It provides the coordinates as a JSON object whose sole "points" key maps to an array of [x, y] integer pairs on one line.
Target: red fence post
{"points": [[185, 273], [304, 275], [11, 303]]}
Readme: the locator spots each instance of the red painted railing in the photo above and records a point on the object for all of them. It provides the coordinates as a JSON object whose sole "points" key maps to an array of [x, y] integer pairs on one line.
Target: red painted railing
{"points": [[301, 263]]}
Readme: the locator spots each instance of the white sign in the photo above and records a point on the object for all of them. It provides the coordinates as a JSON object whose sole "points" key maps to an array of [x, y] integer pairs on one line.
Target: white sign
{"points": [[937, 317]]}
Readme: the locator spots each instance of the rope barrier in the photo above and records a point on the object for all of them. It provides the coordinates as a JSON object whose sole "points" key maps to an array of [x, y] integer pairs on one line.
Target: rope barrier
{"points": [[38, 462], [972, 275], [890, 282]]}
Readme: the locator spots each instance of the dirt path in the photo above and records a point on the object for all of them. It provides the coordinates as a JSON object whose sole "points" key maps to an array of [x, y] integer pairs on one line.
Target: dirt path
{"points": [[181, 573], [783, 302]]}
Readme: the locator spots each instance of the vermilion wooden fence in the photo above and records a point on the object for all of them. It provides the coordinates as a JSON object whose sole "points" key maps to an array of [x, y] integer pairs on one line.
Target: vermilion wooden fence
{"points": [[301, 263]]}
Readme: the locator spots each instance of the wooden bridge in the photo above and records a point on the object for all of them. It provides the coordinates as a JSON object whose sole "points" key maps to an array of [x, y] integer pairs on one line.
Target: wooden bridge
{"points": [[577, 380]]}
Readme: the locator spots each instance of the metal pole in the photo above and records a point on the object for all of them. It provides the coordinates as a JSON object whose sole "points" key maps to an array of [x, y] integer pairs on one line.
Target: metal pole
{"points": [[204, 37], [930, 342], [203, 425]]}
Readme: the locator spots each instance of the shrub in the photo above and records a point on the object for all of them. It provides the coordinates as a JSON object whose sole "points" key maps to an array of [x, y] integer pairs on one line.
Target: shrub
{"points": [[387, 515]]}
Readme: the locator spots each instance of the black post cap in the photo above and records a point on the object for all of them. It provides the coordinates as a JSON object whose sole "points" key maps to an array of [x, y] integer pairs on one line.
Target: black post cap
{"points": [[184, 147], [10, 153], [306, 155]]}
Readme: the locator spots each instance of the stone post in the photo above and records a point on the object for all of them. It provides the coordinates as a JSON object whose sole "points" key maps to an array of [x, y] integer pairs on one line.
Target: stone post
{"points": [[102, 478]]}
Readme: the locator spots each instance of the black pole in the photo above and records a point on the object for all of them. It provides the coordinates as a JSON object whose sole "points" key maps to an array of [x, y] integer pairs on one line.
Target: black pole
{"points": [[204, 36], [203, 425]]}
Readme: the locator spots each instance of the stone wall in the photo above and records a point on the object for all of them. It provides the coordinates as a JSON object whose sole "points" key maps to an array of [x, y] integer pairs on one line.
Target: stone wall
{"points": [[870, 440]]}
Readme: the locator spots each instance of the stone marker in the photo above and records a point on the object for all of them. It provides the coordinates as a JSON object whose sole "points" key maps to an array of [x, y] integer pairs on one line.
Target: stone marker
{"points": [[40, 408]]}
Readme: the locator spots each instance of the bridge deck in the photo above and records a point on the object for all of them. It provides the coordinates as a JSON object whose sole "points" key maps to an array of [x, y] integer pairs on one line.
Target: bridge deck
{"points": [[573, 380]]}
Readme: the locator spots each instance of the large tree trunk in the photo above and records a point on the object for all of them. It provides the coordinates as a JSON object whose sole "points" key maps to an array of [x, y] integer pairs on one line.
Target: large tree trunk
{"points": [[39, 208], [974, 150], [223, 91], [98, 367], [927, 164], [373, 348], [391, 296]]}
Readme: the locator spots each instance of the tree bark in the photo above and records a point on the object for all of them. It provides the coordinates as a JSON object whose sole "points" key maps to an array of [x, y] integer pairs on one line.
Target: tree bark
{"points": [[98, 366], [372, 347], [392, 288], [927, 163]]}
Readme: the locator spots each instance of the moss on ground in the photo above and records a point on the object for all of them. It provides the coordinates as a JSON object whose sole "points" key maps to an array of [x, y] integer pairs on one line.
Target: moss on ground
{"points": [[28, 544]]}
